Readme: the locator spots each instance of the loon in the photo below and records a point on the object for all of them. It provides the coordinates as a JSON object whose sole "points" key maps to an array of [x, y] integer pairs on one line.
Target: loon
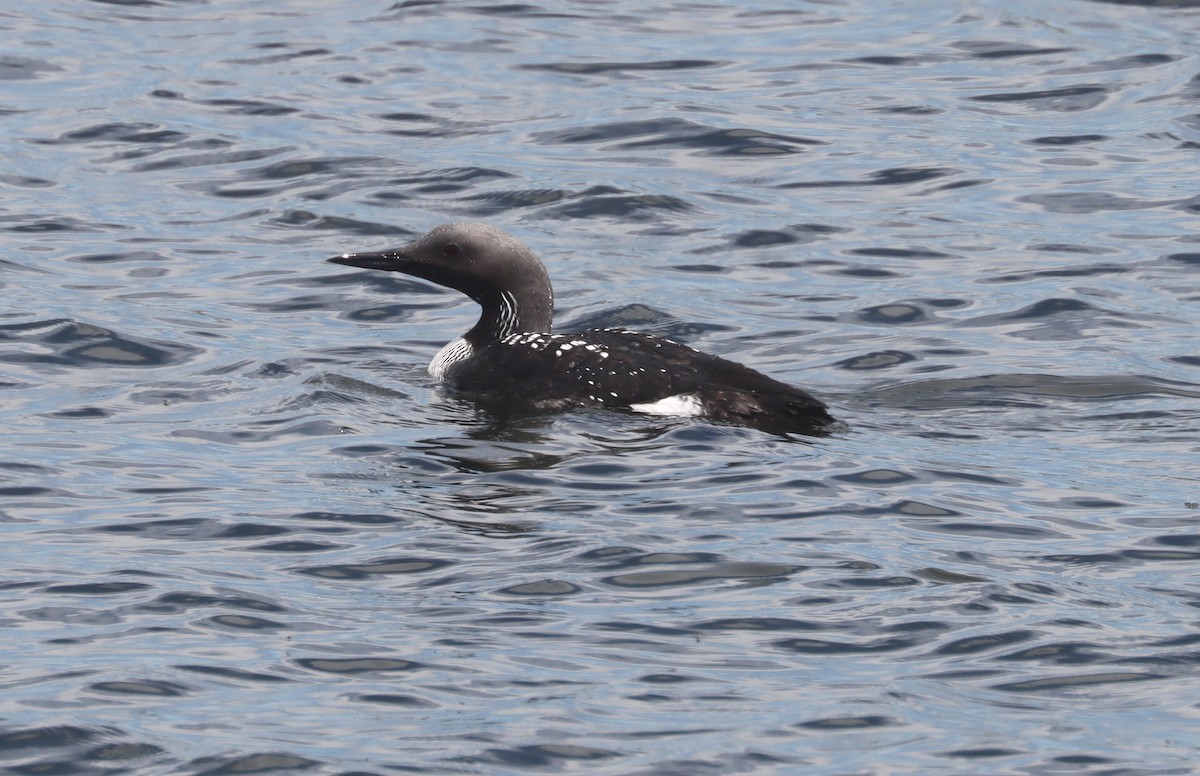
{"points": [[511, 355]]}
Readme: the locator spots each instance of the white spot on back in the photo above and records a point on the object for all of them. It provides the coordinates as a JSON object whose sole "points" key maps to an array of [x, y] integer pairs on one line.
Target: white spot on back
{"points": [[683, 404]]}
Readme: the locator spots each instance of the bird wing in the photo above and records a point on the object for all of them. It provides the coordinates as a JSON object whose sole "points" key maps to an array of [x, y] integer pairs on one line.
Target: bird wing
{"points": [[618, 368]]}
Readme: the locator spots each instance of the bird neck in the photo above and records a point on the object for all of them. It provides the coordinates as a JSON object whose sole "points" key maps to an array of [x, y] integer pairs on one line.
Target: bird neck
{"points": [[510, 312]]}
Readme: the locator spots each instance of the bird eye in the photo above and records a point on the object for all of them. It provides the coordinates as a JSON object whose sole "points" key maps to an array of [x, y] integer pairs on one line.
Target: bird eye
{"points": [[451, 249]]}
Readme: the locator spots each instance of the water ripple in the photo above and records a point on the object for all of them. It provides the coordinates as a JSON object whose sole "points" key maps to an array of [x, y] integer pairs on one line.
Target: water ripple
{"points": [[229, 483], [83, 345]]}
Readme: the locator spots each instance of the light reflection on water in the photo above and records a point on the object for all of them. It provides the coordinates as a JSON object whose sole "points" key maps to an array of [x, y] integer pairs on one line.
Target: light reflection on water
{"points": [[230, 486]]}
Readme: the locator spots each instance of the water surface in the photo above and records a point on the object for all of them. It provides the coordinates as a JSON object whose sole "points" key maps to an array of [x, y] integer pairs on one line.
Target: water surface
{"points": [[245, 533]]}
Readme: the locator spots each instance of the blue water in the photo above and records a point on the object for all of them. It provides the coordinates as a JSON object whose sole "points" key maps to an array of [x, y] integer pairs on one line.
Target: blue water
{"points": [[243, 532]]}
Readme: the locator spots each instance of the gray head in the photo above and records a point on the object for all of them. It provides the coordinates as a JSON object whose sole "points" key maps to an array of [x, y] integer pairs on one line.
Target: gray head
{"points": [[488, 265]]}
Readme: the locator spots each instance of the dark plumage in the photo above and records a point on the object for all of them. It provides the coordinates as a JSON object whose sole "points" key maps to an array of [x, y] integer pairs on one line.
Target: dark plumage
{"points": [[510, 354]]}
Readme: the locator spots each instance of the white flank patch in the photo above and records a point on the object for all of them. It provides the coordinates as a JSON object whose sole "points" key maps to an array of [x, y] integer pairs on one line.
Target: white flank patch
{"points": [[452, 353], [685, 404]]}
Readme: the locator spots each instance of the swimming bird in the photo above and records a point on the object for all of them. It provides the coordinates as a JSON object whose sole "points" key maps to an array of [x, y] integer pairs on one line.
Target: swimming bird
{"points": [[511, 356]]}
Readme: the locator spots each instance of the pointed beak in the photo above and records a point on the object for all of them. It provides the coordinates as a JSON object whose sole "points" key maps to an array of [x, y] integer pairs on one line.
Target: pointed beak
{"points": [[386, 260]]}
